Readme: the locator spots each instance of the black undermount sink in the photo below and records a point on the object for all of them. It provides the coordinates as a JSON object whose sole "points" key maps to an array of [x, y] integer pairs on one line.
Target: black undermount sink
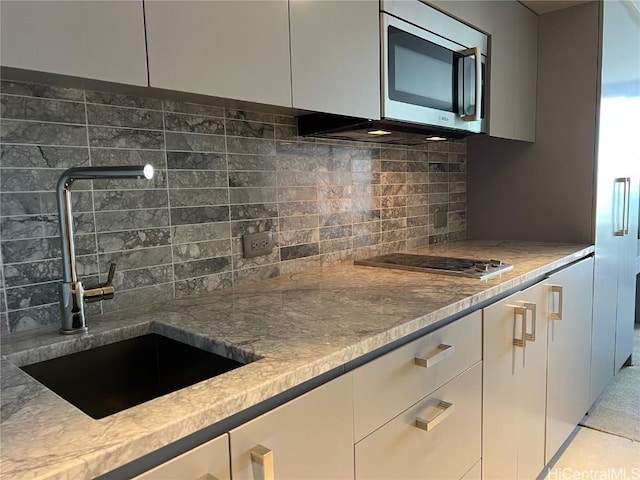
{"points": [[107, 379]]}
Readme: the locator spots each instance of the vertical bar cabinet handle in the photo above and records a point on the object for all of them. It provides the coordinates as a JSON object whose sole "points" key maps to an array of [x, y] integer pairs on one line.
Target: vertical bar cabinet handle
{"points": [[627, 189], [477, 113], [531, 307], [264, 458], [556, 290], [522, 312]]}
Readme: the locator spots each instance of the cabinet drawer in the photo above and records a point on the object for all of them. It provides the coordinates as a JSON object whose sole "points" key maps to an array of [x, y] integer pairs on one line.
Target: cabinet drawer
{"points": [[211, 458], [392, 383], [447, 450]]}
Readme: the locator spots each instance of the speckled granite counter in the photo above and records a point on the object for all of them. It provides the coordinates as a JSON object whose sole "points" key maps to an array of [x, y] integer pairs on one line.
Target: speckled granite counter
{"points": [[302, 326]]}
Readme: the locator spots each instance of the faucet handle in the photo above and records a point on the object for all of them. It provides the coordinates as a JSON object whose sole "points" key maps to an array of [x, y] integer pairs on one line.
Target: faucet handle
{"points": [[110, 275], [104, 291]]}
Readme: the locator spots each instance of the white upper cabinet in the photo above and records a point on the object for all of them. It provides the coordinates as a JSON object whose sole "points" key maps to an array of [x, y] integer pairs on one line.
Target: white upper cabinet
{"points": [[513, 31], [101, 40], [335, 56], [229, 49]]}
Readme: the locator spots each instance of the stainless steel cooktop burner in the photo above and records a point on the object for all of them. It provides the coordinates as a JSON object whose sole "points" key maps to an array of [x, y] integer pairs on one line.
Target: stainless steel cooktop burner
{"points": [[463, 267]]}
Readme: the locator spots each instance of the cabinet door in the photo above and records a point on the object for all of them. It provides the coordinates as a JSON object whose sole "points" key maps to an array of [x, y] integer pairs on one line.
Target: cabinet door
{"points": [[335, 56], [444, 448], [229, 49], [310, 437], [102, 40], [211, 458], [570, 295], [513, 62], [514, 385]]}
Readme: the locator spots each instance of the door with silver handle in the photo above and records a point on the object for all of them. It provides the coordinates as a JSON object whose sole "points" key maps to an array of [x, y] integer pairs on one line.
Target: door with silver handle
{"points": [[620, 206]]}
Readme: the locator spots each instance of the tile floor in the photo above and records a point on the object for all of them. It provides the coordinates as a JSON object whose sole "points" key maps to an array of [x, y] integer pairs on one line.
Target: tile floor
{"points": [[596, 455]]}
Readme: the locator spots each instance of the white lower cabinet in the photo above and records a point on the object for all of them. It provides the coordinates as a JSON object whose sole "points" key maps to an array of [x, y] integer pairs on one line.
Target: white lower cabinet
{"points": [[514, 385], [207, 462], [570, 319], [310, 437], [437, 438]]}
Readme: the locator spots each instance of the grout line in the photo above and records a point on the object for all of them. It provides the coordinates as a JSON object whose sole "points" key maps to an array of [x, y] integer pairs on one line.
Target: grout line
{"points": [[167, 187]]}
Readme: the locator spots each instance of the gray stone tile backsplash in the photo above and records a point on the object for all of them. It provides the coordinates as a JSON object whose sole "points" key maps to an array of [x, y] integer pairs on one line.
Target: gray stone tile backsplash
{"points": [[220, 173]]}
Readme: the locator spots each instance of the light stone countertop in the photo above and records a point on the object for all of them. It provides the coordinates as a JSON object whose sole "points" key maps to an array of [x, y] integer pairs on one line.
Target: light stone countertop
{"points": [[302, 325]]}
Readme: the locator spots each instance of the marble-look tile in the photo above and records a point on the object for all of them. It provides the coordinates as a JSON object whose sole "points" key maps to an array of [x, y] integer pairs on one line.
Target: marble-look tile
{"points": [[255, 274], [35, 133], [189, 215], [242, 128], [180, 122], [130, 199], [298, 251], [111, 157], [127, 299], [239, 161], [42, 110], [292, 194], [111, 221], [133, 239], [34, 249], [254, 211], [19, 204], [33, 318], [194, 142], [200, 232], [141, 277], [193, 197], [256, 146], [137, 258], [126, 138], [198, 250], [120, 100], [198, 268], [27, 273], [201, 285], [286, 132], [297, 179], [252, 179], [42, 91], [296, 237], [22, 179], [292, 163], [197, 178], [336, 245], [328, 233], [299, 222], [81, 200], [103, 115], [32, 295], [193, 108], [252, 195], [196, 161], [293, 209], [32, 156], [241, 227], [247, 115], [284, 120]]}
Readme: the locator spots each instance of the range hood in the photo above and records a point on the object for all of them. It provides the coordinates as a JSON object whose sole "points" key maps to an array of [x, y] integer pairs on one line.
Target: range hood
{"points": [[378, 131]]}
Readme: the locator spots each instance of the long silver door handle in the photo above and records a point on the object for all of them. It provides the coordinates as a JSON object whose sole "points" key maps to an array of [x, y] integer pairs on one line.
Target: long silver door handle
{"points": [[428, 425], [627, 190], [559, 291], [477, 114], [619, 216], [262, 456], [443, 352], [522, 313]]}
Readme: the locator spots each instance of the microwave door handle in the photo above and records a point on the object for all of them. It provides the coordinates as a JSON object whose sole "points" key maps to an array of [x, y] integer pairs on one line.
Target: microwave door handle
{"points": [[477, 114]]}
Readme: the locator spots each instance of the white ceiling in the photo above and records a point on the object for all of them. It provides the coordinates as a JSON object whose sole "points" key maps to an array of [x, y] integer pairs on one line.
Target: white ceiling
{"points": [[545, 6]]}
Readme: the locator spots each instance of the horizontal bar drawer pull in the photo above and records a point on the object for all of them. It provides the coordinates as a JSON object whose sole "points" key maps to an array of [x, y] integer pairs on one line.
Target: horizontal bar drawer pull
{"points": [[428, 425], [557, 314], [443, 352], [264, 458]]}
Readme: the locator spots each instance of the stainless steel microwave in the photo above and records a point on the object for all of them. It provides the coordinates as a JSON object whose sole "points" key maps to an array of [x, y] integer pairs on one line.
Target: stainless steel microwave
{"points": [[433, 68], [433, 77]]}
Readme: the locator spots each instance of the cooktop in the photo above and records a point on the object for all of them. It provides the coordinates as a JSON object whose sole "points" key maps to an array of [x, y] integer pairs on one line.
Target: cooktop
{"points": [[463, 267]]}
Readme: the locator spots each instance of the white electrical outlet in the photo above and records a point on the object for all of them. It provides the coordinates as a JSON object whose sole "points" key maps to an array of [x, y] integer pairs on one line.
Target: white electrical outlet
{"points": [[256, 244]]}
